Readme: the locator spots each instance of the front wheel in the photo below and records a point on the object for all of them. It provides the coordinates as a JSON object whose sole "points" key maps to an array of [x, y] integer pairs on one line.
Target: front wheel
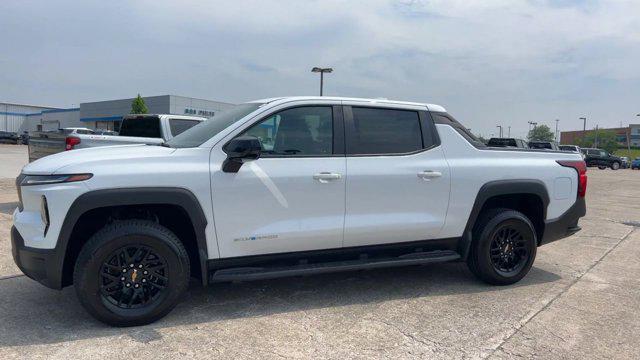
{"points": [[503, 248], [615, 166], [131, 272]]}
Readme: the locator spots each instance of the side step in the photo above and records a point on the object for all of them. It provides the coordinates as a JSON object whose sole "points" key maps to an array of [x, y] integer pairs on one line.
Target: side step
{"points": [[261, 273]]}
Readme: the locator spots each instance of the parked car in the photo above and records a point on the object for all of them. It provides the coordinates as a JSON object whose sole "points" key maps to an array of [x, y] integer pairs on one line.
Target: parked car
{"points": [[601, 158], [7, 137], [263, 192], [625, 162], [24, 138], [635, 164], [549, 145], [571, 148], [105, 132], [507, 142], [134, 129]]}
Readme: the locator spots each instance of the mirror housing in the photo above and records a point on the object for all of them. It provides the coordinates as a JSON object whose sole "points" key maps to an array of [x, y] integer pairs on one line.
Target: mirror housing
{"points": [[239, 150]]}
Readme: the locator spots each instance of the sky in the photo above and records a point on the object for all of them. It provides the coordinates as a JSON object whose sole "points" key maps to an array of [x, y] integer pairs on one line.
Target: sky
{"points": [[490, 62]]}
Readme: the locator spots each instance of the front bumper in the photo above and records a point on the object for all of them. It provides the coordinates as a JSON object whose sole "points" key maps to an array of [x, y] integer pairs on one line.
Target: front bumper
{"points": [[42, 265], [566, 224]]}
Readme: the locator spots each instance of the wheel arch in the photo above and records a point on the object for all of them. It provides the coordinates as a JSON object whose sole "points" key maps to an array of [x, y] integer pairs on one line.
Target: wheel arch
{"points": [[495, 191], [179, 198]]}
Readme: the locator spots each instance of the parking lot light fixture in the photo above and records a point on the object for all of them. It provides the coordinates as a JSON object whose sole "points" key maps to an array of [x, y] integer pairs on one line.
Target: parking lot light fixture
{"points": [[322, 71]]}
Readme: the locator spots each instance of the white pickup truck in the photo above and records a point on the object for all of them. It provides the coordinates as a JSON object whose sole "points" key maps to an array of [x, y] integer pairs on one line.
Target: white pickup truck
{"points": [[283, 187], [135, 129]]}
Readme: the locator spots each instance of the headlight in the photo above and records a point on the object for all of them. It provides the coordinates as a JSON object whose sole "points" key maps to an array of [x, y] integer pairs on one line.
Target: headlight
{"points": [[53, 179]]}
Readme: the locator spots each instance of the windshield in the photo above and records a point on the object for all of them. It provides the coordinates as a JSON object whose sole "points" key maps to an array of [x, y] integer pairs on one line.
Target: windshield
{"points": [[204, 131]]}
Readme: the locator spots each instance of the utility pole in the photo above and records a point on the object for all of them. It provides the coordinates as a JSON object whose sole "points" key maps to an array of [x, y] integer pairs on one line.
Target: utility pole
{"points": [[321, 71]]}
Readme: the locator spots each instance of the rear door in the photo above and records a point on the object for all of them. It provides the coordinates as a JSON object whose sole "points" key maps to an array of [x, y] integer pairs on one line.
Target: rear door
{"points": [[398, 184]]}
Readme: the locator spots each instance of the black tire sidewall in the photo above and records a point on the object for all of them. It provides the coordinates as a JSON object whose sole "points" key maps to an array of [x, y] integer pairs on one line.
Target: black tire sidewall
{"points": [[483, 266], [103, 244]]}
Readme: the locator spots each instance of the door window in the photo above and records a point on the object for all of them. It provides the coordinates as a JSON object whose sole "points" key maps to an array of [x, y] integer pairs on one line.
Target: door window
{"points": [[301, 131], [384, 131]]}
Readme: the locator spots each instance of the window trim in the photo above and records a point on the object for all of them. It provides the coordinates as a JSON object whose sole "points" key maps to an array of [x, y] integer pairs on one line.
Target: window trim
{"points": [[338, 136], [424, 120]]}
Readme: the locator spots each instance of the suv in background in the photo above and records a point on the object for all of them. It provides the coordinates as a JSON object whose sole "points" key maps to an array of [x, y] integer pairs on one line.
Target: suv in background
{"points": [[546, 145], [601, 158], [507, 142]]}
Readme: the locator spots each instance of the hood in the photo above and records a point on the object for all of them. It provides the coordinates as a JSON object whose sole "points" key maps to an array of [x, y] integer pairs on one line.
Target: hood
{"points": [[57, 163]]}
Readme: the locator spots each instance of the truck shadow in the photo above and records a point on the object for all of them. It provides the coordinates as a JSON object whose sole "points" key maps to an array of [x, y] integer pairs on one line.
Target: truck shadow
{"points": [[33, 315]]}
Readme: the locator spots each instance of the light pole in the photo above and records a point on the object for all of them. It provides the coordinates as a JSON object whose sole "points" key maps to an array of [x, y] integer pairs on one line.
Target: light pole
{"points": [[557, 121], [321, 71], [500, 127], [509, 131]]}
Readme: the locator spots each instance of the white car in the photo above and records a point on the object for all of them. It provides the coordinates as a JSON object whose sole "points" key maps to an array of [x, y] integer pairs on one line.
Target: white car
{"points": [[288, 186]]}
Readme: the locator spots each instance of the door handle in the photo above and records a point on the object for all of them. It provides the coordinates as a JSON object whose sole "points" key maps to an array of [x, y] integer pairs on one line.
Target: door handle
{"points": [[325, 177], [429, 174]]}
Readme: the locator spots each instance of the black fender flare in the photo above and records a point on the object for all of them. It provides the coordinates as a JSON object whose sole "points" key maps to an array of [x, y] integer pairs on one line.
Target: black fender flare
{"points": [[134, 196], [496, 188]]}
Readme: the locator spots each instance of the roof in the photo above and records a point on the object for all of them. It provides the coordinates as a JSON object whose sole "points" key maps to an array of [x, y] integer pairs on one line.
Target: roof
{"points": [[431, 107]]}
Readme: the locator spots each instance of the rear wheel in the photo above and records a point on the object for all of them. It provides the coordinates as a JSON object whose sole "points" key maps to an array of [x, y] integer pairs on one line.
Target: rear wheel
{"points": [[504, 247], [131, 273], [601, 167]]}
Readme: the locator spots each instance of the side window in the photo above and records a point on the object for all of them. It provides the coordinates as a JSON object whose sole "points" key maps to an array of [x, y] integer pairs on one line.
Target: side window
{"points": [[384, 131], [178, 126], [302, 131]]}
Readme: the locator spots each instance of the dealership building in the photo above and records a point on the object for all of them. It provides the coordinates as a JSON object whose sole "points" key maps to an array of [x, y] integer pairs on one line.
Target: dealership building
{"points": [[625, 136], [105, 115]]}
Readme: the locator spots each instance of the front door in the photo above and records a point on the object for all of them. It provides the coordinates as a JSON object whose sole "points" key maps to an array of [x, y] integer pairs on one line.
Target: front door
{"points": [[292, 197], [397, 177]]}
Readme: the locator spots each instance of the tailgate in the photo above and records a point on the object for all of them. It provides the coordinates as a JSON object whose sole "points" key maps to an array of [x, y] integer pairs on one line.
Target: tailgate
{"points": [[43, 144]]}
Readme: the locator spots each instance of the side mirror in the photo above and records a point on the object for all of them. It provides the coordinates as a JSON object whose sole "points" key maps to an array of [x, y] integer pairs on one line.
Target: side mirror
{"points": [[239, 150]]}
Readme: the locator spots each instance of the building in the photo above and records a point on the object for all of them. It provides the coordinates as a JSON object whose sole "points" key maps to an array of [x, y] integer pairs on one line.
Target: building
{"points": [[631, 132], [105, 115], [12, 116]]}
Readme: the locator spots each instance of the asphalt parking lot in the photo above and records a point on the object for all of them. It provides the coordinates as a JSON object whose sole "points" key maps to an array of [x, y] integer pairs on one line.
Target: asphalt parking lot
{"points": [[580, 300]]}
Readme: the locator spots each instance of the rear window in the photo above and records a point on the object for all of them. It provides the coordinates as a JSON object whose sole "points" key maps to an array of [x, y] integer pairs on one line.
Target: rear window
{"points": [[534, 145], [494, 142], [178, 126], [141, 126]]}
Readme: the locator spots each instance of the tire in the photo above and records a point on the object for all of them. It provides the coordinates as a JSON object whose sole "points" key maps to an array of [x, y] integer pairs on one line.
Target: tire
{"points": [[488, 232], [601, 167], [151, 287], [615, 165]]}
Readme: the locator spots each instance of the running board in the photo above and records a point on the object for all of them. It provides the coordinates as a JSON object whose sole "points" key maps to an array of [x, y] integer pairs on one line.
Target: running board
{"points": [[261, 273]]}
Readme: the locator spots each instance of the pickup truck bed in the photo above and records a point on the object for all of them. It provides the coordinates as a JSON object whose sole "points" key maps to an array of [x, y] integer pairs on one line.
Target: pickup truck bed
{"points": [[135, 129]]}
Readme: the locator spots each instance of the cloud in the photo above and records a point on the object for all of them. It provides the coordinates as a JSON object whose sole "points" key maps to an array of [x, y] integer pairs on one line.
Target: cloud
{"points": [[490, 62]]}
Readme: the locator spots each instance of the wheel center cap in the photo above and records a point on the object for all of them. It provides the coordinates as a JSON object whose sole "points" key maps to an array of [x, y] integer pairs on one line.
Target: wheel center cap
{"points": [[134, 275]]}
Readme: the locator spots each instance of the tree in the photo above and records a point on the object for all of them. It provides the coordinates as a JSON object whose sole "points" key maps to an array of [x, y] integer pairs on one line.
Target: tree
{"points": [[540, 133], [601, 139], [138, 106]]}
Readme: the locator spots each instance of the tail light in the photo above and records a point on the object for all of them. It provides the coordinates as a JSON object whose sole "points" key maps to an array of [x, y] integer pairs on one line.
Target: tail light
{"points": [[581, 168], [71, 141]]}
